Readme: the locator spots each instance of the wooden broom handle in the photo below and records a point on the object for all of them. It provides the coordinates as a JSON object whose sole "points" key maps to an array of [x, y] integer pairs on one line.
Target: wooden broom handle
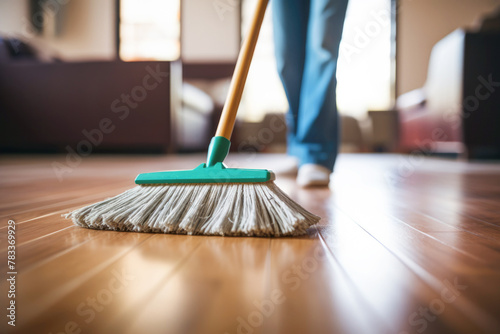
{"points": [[228, 116]]}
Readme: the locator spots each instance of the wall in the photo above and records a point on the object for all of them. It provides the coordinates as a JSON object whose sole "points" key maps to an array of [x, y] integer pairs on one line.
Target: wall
{"points": [[12, 15], [210, 31], [87, 27], [422, 23]]}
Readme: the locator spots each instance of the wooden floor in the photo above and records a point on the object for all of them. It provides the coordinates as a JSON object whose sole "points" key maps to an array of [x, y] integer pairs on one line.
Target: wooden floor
{"points": [[405, 245]]}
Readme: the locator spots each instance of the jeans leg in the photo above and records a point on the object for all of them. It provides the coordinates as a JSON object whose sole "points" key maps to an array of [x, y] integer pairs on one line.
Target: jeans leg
{"points": [[290, 19], [317, 132]]}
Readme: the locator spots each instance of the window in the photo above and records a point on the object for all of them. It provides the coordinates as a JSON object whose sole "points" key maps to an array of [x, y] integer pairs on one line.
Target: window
{"points": [[364, 73], [263, 90], [365, 76], [149, 30]]}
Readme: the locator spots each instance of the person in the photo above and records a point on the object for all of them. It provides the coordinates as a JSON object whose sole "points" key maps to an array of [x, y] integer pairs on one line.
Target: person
{"points": [[307, 36]]}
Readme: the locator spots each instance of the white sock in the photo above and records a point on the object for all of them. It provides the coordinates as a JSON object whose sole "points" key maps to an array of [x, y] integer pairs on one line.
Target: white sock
{"points": [[313, 175], [288, 166]]}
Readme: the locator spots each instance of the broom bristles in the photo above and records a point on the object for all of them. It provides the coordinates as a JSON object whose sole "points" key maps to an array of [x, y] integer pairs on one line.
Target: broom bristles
{"points": [[230, 209]]}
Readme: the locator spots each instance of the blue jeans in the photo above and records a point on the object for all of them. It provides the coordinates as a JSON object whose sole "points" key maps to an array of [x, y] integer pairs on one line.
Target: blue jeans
{"points": [[307, 35]]}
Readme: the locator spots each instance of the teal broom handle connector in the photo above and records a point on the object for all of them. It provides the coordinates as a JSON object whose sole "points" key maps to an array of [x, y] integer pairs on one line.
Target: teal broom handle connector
{"points": [[218, 150]]}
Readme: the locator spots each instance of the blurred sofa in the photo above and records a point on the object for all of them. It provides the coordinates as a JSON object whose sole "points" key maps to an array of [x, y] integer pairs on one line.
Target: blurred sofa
{"points": [[51, 106], [458, 108]]}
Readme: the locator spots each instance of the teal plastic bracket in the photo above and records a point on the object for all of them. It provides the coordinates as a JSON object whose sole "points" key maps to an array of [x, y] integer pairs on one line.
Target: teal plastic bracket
{"points": [[217, 150], [203, 174]]}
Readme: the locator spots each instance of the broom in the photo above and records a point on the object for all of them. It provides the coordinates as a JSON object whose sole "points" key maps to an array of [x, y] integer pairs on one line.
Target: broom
{"points": [[210, 199]]}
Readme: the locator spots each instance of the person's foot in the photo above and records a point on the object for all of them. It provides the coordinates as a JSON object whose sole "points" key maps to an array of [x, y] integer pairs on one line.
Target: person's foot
{"points": [[312, 175], [288, 166]]}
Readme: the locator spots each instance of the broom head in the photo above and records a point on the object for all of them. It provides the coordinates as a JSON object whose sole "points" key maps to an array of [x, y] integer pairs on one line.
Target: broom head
{"points": [[206, 200]]}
